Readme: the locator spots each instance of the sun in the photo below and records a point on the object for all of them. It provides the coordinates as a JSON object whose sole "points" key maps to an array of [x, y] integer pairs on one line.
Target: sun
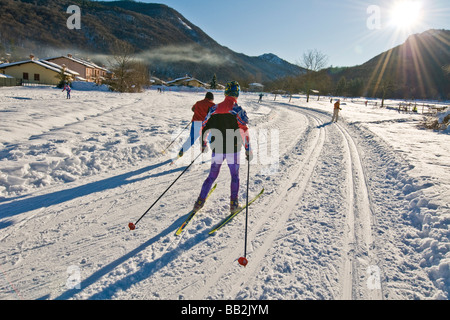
{"points": [[406, 14]]}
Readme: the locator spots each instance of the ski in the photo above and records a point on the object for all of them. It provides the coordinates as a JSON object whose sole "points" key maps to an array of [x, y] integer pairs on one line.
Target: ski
{"points": [[192, 214], [232, 215]]}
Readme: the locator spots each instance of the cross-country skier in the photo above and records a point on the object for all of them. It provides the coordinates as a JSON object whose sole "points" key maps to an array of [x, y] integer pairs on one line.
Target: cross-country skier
{"points": [[227, 125], [337, 107], [68, 89], [200, 109], [260, 97]]}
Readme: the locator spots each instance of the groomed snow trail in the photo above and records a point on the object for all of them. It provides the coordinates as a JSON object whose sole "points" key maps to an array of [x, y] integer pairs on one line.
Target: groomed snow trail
{"points": [[359, 240], [275, 241], [329, 225]]}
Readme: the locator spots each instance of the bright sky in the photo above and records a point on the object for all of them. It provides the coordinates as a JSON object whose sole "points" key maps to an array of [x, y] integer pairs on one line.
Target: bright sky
{"points": [[350, 32]]}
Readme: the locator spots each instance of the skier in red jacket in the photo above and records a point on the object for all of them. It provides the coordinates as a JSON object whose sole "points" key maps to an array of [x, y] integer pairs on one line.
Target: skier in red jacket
{"points": [[200, 109], [68, 89], [227, 125]]}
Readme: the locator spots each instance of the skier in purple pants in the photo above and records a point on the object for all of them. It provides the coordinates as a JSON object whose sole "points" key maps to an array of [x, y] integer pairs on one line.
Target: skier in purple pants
{"points": [[68, 89], [226, 123], [233, 161]]}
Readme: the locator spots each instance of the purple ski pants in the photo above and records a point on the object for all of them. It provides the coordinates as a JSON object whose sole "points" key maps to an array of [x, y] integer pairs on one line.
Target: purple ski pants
{"points": [[217, 160]]}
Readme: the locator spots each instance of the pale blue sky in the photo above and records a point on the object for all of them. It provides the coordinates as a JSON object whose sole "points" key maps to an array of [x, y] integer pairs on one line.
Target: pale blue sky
{"points": [[288, 28]]}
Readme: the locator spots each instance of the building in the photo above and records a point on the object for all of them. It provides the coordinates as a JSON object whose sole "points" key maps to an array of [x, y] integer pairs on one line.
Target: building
{"points": [[187, 82], [87, 70], [256, 87], [37, 71], [157, 82]]}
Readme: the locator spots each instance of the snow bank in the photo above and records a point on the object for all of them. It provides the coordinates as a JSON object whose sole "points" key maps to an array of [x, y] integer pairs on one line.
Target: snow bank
{"points": [[431, 221], [54, 140], [89, 86], [66, 163]]}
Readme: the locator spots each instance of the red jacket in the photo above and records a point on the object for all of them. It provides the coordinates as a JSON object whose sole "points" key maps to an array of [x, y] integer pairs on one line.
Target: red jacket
{"points": [[337, 105], [225, 116], [201, 109]]}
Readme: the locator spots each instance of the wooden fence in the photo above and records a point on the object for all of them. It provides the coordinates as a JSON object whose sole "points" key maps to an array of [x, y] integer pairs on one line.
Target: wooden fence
{"points": [[10, 82]]}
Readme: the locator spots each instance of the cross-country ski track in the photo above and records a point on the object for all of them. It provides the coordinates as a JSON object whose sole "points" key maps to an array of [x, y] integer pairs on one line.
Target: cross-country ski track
{"points": [[329, 225]]}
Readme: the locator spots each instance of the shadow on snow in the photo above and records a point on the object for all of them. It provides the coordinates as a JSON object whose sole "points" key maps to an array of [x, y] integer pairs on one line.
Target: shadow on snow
{"points": [[29, 204], [145, 270]]}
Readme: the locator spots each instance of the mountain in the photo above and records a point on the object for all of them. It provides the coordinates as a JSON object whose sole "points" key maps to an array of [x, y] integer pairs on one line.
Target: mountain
{"points": [[161, 36], [419, 68]]}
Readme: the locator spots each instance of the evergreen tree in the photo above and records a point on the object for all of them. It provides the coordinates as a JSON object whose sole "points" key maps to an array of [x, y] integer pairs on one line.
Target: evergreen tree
{"points": [[63, 78], [214, 82], [341, 86], [355, 87]]}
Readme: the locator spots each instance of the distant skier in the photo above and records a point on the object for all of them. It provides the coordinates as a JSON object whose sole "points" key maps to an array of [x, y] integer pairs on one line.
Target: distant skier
{"points": [[200, 109], [337, 107], [260, 97], [68, 89], [227, 123]]}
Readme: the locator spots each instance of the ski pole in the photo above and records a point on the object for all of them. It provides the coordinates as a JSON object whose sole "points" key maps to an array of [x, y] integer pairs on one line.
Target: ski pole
{"points": [[243, 260], [164, 151], [132, 225]]}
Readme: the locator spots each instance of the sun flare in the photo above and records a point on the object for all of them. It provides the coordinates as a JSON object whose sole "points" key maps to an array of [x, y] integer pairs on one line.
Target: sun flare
{"points": [[406, 14]]}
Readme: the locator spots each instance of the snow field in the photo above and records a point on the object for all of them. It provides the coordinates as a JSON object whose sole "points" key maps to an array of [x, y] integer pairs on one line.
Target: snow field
{"points": [[353, 210]]}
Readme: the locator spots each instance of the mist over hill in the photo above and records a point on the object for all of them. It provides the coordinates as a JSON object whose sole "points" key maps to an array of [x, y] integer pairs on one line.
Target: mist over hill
{"points": [[164, 39]]}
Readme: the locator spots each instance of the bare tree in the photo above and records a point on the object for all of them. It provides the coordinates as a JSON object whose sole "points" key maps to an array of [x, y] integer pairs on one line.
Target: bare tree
{"points": [[129, 75], [121, 65], [312, 60]]}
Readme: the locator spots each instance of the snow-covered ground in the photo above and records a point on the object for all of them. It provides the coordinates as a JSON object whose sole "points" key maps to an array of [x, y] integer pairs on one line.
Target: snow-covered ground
{"points": [[353, 210]]}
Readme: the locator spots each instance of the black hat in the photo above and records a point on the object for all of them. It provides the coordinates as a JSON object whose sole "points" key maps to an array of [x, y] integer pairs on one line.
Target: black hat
{"points": [[209, 96]]}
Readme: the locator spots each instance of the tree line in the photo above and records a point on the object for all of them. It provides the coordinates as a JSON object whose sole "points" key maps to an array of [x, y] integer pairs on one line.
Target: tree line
{"points": [[361, 81]]}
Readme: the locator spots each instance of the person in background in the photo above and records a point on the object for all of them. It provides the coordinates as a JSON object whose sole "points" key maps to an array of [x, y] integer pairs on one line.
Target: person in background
{"points": [[337, 108], [68, 89], [260, 97], [200, 109]]}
